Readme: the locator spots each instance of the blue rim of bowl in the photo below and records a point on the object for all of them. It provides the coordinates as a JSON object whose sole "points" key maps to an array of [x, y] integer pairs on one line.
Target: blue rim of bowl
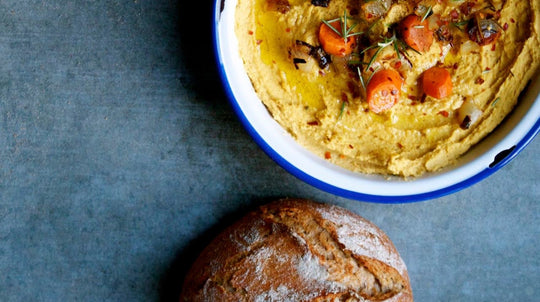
{"points": [[394, 199]]}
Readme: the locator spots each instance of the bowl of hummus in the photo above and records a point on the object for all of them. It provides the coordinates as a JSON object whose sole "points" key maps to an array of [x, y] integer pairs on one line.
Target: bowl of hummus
{"points": [[381, 100]]}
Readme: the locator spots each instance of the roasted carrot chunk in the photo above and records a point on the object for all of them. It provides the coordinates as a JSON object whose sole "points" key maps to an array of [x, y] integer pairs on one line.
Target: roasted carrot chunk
{"points": [[383, 90], [437, 82], [416, 33], [332, 42]]}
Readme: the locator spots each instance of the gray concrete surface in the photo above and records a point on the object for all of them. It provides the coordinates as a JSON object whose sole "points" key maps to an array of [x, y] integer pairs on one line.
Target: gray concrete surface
{"points": [[120, 158]]}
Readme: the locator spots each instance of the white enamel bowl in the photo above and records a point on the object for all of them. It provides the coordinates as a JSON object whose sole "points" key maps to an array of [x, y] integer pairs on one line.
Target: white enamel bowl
{"points": [[492, 153]]}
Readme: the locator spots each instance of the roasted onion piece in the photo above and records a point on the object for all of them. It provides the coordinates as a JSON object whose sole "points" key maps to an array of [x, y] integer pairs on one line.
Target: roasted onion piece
{"points": [[468, 114], [321, 56], [303, 54], [444, 34], [484, 31], [300, 55], [375, 9]]}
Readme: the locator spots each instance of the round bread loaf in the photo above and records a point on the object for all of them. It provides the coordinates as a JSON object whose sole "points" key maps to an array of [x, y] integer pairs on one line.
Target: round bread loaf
{"points": [[299, 250]]}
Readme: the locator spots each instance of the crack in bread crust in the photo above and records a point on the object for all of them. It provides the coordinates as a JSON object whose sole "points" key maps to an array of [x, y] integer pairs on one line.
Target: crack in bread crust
{"points": [[372, 279]]}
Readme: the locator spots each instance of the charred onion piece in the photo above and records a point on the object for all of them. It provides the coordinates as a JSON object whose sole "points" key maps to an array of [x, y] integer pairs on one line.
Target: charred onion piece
{"points": [[297, 61], [316, 52], [443, 34], [281, 6], [468, 114], [323, 3], [321, 56], [301, 57], [484, 31]]}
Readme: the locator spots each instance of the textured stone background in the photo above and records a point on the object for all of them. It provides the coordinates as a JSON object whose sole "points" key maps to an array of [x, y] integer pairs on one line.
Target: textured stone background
{"points": [[121, 157]]}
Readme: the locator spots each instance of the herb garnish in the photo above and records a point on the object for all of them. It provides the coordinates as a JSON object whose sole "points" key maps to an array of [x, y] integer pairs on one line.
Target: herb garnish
{"points": [[400, 47], [346, 31], [359, 70], [459, 24], [426, 14], [362, 82], [343, 103]]}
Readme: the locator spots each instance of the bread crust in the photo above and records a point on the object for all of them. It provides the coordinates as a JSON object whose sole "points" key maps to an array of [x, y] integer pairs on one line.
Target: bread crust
{"points": [[299, 250]]}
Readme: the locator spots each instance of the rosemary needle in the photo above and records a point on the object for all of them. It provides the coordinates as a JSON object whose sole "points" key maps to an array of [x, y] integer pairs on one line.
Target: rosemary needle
{"points": [[426, 14]]}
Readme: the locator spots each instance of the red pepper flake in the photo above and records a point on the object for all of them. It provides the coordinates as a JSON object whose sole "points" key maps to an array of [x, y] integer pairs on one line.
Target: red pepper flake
{"points": [[512, 20], [505, 26], [487, 69], [351, 146], [397, 65], [455, 66], [327, 155], [400, 146], [313, 123], [342, 156], [259, 42], [479, 80], [250, 32], [288, 29], [493, 47], [454, 14], [443, 113]]}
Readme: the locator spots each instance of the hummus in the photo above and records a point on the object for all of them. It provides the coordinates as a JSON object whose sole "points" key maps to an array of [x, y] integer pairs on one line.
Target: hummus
{"points": [[490, 49]]}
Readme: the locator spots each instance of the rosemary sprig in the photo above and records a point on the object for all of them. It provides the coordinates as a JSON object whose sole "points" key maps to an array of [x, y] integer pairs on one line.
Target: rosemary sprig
{"points": [[371, 76], [363, 82], [346, 31], [399, 46]]}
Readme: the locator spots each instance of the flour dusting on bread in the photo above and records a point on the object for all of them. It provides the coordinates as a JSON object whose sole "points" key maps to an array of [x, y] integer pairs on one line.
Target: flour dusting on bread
{"points": [[299, 250], [361, 237]]}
